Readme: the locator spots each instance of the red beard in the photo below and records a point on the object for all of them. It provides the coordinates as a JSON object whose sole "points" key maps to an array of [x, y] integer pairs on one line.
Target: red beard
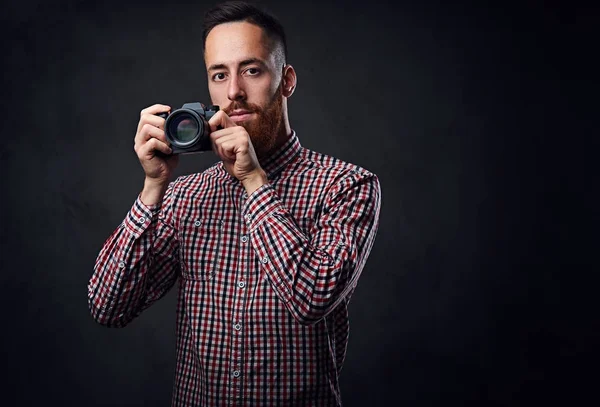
{"points": [[264, 129]]}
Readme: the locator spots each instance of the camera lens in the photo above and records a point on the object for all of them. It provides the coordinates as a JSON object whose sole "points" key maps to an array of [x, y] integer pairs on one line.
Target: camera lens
{"points": [[184, 128]]}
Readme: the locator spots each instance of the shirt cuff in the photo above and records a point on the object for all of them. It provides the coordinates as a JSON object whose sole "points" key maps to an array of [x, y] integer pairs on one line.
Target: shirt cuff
{"points": [[140, 217], [263, 202]]}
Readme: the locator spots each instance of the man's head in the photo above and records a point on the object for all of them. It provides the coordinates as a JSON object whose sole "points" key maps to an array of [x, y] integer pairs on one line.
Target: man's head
{"points": [[245, 53]]}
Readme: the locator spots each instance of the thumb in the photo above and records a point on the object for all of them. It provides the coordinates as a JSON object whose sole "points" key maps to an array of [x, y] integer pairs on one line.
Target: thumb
{"points": [[220, 121]]}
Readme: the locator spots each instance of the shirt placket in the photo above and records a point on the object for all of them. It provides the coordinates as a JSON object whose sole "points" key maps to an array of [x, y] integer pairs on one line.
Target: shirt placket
{"points": [[241, 287]]}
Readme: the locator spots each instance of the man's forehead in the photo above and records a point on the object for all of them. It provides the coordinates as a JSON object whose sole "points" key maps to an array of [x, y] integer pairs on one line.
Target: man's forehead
{"points": [[232, 43]]}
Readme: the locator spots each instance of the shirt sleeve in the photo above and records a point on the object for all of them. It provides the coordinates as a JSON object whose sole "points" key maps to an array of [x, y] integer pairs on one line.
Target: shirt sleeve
{"points": [[311, 273], [137, 265]]}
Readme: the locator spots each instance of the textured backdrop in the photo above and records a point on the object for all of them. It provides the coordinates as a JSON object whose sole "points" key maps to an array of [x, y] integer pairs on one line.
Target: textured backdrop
{"points": [[466, 113]]}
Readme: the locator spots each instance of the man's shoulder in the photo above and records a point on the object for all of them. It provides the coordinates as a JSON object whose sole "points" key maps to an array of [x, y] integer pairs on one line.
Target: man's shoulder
{"points": [[310, 159]]}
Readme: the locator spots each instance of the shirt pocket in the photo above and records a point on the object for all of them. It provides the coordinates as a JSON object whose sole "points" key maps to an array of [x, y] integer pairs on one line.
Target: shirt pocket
{"points": [[200, 249]]}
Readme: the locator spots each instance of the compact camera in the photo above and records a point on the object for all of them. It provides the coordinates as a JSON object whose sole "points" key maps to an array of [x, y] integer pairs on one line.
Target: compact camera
{"points": [[187, 128]]}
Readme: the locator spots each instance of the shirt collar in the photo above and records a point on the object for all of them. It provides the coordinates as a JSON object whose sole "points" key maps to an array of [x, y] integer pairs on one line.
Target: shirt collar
{"points": [[281, 157]]}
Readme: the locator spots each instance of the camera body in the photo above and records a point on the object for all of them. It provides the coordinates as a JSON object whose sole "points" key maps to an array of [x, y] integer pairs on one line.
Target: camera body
{"points": [[187, 128]]}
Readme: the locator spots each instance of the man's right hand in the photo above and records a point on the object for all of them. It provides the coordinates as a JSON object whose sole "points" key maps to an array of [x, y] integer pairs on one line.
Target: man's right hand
{"points": [[153, 151]]}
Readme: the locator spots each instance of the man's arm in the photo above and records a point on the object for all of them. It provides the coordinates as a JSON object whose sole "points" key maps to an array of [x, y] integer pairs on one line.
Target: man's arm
{"points": [[312, 275], [138, 262], [137, 265]]}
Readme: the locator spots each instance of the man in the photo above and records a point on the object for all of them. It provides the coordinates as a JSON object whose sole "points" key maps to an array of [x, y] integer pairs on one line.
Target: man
{"points": [[267, 245]]}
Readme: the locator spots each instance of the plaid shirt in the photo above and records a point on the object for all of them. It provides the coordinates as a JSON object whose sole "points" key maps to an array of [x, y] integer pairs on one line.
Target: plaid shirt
{"points": [[264, 281]]}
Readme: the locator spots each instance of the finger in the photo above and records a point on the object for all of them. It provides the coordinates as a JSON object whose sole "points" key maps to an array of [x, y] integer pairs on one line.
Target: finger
{"points": [[153, 145], [148, 132], [220, 119], [226, 151], [227, 137], [154, 109], [237, 142], [217, 146], [221, 136], [234, 144], [154, 120], [232, 131], [232, 147]]}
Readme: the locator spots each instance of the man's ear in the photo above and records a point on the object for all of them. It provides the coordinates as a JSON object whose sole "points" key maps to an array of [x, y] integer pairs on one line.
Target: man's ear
{"points": [[289, 81]]}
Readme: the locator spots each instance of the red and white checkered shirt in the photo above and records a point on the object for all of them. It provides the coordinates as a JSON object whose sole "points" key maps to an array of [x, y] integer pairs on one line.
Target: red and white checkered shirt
{"points": [[264, 281]]}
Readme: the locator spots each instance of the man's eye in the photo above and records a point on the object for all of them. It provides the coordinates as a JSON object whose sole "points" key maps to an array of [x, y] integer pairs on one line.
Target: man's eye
{"points": [[219, 76], [252, 71]]}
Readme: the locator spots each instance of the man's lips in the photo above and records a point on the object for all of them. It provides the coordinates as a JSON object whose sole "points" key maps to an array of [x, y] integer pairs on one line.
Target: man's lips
{"points": [[240, 115]]}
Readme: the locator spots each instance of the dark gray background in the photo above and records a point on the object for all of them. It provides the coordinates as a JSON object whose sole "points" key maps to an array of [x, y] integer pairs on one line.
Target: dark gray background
{"points": [[480, 288]]}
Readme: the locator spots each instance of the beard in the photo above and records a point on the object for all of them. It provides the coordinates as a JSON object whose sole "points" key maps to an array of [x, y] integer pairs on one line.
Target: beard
{"points": [[265, 127]]}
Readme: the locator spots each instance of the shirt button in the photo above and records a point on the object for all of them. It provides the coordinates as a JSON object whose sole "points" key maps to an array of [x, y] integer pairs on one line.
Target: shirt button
{"points": [[241, 284], [265, 260], [236, 373], [142, 219], [197, 223], [247, 217], [237, 327], [121, 265], [244, 238]]}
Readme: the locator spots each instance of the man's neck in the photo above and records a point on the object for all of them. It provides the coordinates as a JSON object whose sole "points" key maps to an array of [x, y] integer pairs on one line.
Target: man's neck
{"points": [[283, 136]]}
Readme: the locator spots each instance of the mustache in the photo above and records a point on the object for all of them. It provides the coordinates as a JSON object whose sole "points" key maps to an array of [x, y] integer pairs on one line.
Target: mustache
{"points": [[250, 107]]}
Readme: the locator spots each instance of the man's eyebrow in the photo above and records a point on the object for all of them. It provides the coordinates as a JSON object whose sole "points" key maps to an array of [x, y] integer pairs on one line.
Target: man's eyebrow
{"points": [[245, 62]]}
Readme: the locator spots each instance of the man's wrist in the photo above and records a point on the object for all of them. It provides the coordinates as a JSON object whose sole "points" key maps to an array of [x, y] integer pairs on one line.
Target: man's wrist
{"points": [[255, 181], [153, 192]]}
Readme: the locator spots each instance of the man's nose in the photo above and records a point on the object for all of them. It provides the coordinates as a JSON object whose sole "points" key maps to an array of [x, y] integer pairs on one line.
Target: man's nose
{"points": [[235, 91]]}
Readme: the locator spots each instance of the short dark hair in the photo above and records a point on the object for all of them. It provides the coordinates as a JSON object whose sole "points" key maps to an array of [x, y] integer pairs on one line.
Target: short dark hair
{"points": [[234, 11]]}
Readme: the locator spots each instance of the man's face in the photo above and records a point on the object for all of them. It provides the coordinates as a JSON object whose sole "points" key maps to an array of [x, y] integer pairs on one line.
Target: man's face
{"points": [[244, 79]]}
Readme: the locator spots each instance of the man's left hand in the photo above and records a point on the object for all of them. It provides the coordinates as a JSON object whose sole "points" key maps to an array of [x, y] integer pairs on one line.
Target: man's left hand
{"points": [[233, 145]]}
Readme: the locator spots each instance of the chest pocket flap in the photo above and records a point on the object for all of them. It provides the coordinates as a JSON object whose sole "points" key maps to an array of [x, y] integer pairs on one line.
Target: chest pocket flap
{"points": [[200, 248]]}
